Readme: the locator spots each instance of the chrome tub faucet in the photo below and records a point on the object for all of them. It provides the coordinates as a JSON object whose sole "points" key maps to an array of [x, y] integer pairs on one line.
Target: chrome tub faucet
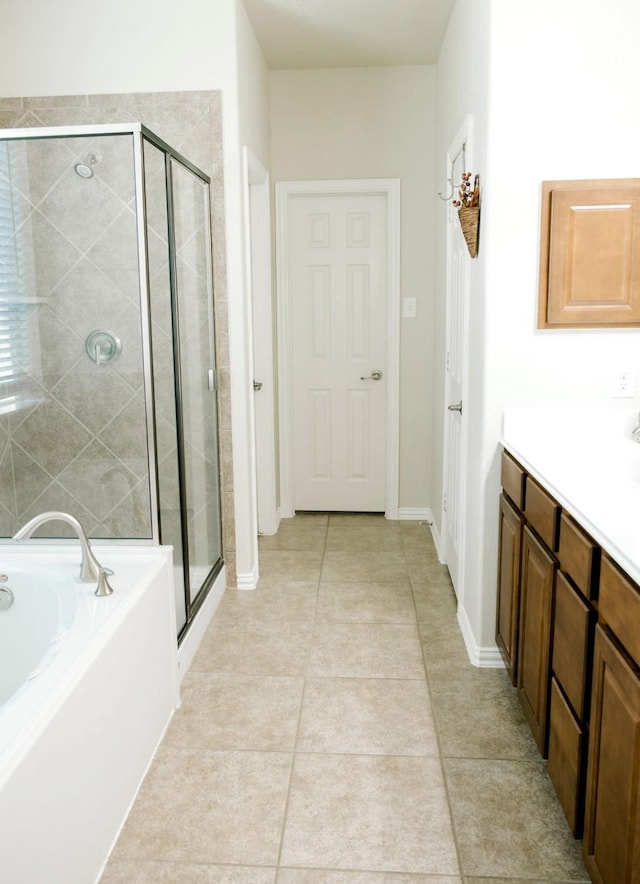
{"points": [[90, 568]]}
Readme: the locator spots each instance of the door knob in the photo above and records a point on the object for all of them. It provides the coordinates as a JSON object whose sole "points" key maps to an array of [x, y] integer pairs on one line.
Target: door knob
{"points": [[257, 385], [375, 375], [457, 407]]}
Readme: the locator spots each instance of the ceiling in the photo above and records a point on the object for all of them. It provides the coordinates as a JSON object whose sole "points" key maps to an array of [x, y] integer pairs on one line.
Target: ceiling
{"points": [[349, 33]]}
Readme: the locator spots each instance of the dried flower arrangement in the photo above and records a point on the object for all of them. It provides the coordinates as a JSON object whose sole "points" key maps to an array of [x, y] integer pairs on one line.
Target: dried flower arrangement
{"points": [[468, 206], [469, 198]]}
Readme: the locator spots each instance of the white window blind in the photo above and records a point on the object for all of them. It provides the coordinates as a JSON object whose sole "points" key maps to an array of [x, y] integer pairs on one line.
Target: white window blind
{"points": [[14, 332]]}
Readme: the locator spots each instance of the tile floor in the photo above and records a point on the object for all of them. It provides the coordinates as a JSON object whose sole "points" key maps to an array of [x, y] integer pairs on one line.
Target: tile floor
{"points": [[333, 731]]}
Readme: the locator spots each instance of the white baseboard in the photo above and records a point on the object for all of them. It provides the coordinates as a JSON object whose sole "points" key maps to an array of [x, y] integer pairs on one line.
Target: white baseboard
{"points": [[437, 542], [189, 645], [247, 581], [415, 514], [483, 657]]}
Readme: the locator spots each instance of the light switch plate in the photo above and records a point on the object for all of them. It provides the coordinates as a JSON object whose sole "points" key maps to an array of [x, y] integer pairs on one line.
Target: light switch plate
{"points": [[409, 308]]}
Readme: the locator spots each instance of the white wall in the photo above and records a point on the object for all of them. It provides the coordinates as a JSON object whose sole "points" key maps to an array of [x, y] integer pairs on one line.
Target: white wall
{"points": [[562, 81], [463, 89], [375, 123], [253, 91], [71, 48], [253, 132]]}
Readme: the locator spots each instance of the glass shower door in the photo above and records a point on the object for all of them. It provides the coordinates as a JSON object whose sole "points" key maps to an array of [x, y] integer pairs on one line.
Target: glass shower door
{"points": [[193, 316]]}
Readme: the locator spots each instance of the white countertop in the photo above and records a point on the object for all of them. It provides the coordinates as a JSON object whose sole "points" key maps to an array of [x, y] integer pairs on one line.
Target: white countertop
{"points": [[587, 461]]}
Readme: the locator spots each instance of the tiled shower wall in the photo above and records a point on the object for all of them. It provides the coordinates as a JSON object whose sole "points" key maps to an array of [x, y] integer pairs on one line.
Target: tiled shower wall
{"points": [[29, 461]]}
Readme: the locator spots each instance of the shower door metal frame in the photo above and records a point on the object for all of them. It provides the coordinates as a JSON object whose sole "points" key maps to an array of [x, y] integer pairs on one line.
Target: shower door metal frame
{"points": [[139, 134], [142, 133]]}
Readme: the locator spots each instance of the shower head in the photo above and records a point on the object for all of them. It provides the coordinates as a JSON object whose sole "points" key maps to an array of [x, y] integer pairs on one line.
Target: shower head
{"points": [[85, 167], [83, 170]]}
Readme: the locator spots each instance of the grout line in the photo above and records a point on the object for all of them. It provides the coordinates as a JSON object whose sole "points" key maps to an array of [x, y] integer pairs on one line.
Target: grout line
{"points": [[305, 675], [437, 736]]}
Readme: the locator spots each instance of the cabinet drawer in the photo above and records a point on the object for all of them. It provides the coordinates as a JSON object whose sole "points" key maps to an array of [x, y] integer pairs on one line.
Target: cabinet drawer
{"points": [[566, 744], [571, 644], [579, 556], [512, 478], [619, 606], [542, 512]]}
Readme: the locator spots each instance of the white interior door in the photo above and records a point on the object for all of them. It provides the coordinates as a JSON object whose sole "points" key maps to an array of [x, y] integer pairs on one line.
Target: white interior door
{"points": [[258, 258], [339, 309], [456, 338]]}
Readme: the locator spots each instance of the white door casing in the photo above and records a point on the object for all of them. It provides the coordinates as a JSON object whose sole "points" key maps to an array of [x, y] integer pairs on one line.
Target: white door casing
{"points": [[322, 233], [258, 270], [457, 292]]}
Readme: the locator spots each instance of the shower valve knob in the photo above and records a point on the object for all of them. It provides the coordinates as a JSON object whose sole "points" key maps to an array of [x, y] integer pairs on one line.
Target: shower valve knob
{"points": [[103, 346]]}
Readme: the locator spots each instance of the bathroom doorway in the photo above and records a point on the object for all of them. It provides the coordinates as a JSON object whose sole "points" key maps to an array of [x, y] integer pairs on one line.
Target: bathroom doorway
{"points": [[338, 344]]}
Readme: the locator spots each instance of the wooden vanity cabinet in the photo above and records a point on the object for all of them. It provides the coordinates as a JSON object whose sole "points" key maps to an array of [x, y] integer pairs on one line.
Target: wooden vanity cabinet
{"points": [[577, 653]]}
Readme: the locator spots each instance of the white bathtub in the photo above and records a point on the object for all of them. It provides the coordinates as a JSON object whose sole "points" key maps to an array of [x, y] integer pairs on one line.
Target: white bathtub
{"points": [[86, 693]]}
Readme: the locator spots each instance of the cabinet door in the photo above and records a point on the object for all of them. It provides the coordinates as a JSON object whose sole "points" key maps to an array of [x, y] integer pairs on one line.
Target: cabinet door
{"points": [[534, 641], [510, 536], [566, 744], [612, 823]]}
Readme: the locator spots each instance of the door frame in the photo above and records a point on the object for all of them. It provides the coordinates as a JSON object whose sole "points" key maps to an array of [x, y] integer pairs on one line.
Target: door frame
{"points": [[463, 140], [285, 192], [257, 225]]}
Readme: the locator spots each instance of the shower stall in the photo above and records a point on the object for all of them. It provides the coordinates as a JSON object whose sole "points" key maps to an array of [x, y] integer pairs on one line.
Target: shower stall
{"points": [[108, 386]]}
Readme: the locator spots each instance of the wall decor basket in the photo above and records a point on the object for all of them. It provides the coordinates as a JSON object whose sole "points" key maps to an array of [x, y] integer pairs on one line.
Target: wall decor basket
{"points": [[470, 223]]}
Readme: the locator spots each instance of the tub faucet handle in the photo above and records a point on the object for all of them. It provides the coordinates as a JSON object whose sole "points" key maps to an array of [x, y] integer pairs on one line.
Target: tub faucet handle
{"points": [[104, 587]]}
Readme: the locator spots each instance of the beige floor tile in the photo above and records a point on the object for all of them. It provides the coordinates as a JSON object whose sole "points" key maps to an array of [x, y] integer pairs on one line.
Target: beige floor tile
{"points": [[420, 549], [252, 648], [341, 566], [444, 647], [359, 650], [272, 599], [291, 564], [493, 725], [367, 802], [366, 602], [363, 538], [369, 813], [320, 876], [435, 605], [236, 712], [132, 872], [209, 807], [468, 880], [517, 829], [430, 572], [300, 533], [367, 716]]}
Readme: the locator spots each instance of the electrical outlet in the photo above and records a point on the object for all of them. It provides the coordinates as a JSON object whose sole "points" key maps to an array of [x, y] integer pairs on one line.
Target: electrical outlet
{"points": [[623, 385]]}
